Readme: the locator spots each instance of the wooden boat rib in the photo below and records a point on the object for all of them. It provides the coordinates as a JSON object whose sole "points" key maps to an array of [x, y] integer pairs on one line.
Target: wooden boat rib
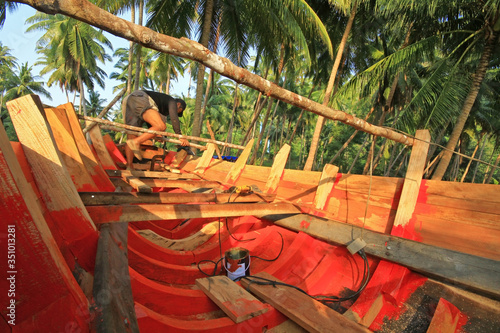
{"points": [[432, 254]]}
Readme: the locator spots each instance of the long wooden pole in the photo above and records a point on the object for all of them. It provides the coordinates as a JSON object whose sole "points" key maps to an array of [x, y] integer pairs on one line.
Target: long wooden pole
{"points": [[89, 13], [173, 135]]}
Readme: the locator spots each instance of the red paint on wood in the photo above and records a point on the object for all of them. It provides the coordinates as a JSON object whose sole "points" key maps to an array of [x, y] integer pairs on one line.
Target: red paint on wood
{"points": [[113, 150]]}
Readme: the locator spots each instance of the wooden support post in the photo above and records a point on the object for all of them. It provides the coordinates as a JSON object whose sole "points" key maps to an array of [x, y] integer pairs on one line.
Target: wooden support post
{"points": [[325, 185], [235, 301], [44, 279], [52, 178], [277, 169], [179, 158], [213, 138], [137, 184], [112, 288], [89, 159], [412, 182], [69, 151], [205, 159], [299, 307], [239, 165], [132, 213]]}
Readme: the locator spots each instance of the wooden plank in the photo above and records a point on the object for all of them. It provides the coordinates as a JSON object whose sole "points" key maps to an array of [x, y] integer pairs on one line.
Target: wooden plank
{"points": [[151, 174], [325, 185], [132, 213], [100, 148], [445, 319], [277, 169], [115, 154], [239, 165], [299, 307], [413, 179], [52, 178], [137, 184], [42, 277], [63, 136], [112, 288], [99, 198], [189, 243], [213, 138], [179, 158], [205, 159], [184, 184], [89, 159], [479, 274], [235, 301]]}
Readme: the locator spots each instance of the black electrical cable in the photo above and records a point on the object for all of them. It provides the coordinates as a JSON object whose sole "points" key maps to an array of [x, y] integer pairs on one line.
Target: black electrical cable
{"points": [[320, 298]]}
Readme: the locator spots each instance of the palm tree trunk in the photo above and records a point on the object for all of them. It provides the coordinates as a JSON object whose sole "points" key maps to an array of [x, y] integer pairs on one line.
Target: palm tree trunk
{"points": [[321, 120], [231, 123], [300, 117], [469, 102], [130, 53], [139, 48], [205, 36], [470, 161], [268, 133], [480, 156], [492, 171]]}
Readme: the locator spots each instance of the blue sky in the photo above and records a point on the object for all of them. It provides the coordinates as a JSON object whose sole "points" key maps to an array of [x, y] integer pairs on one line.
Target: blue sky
{"points": [[22, 45]]}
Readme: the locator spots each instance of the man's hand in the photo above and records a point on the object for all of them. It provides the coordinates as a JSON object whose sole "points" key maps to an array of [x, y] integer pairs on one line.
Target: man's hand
{"points": [[184, 142]]}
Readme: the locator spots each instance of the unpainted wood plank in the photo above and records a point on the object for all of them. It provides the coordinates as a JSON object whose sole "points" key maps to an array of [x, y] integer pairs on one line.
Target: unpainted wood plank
{"points": [[325, 185], [299, 307], [474, 273], [178, 158], [239, 165], [89, 159], [137, 184], [189, 243], [413, 179], [235, 301], [100, 148], [209, 128], [277, 169], [184, 184], [132, 213], [445, 319], [117, 198], [63, 136], [52, 178], [205, 159]]}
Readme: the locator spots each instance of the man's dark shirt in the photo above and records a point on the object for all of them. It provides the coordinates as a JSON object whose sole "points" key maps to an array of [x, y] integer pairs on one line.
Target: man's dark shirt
{"points": [[167, 106]]}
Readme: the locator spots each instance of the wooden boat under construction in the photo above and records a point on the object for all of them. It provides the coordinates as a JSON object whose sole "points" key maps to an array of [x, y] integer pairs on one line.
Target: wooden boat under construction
{"points": [[94, 247]]}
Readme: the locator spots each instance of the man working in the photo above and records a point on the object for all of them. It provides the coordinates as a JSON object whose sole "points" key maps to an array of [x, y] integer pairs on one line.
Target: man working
{"points": [[153, 108]]}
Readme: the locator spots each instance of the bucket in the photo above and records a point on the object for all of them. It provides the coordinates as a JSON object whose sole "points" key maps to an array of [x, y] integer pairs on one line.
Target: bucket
{"points": [[237, 263]]}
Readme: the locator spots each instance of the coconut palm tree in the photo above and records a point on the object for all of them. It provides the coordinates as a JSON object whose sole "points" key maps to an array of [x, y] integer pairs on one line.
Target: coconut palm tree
{"points": [[23, 82], [70, 50]]}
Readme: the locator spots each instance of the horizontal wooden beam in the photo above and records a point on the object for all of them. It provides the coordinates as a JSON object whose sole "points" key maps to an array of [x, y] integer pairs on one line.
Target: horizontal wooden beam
{"points": [[475, 273], [184, 184], [133, 213], [121, 198], [151, 174]]}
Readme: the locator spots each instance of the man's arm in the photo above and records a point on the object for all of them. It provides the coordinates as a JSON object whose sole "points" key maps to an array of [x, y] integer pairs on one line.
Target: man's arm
{"points": [[174, 119]]}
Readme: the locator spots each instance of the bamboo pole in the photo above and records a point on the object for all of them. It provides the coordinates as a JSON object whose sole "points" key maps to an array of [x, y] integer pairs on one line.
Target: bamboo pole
{"points": [[177, 142], [173, 135]]}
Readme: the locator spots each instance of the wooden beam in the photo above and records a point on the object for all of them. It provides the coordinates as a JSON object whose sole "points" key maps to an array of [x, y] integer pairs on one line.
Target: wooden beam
{"points": [[277, 169], [100, 148], [479, 274], [299, 307], [235, 301], [412, 182], [184, 184], [205, 159], [117, 198], [89, 159], [239, 165], [112, 288], [151, 174], [137, 184], [178, 158], [325, 185], [209, 128], [132, 213], [52, 178], [63, 136]]}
